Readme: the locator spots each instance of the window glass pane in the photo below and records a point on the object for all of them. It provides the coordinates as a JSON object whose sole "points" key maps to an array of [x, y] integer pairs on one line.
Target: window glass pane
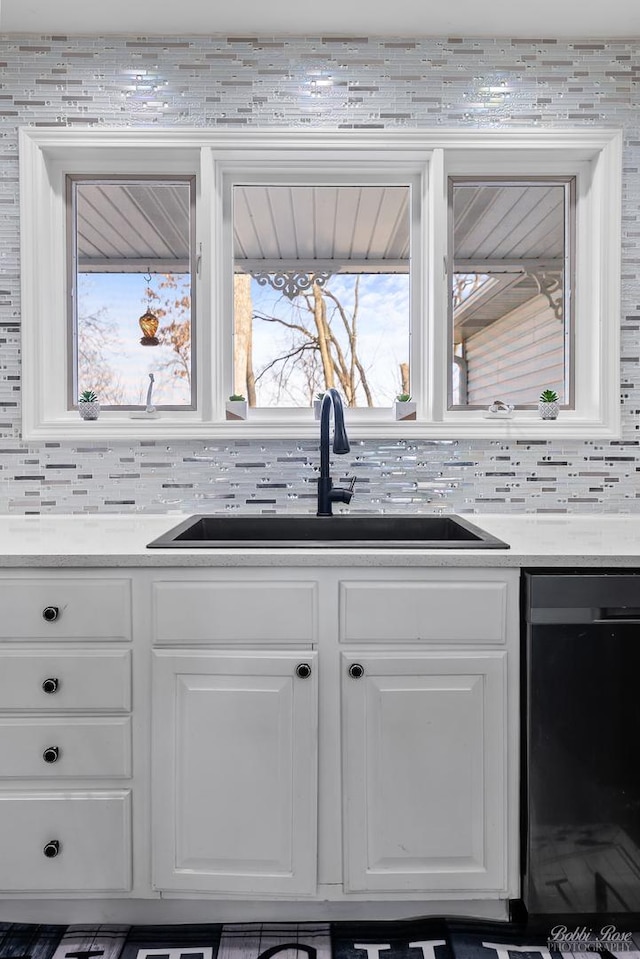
{"points": [[321, 294], [133, 303], [510, 318]]}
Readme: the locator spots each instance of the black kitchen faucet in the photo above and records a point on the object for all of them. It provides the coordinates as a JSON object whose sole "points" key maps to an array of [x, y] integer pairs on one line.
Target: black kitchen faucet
{"points": [[327, 492]]}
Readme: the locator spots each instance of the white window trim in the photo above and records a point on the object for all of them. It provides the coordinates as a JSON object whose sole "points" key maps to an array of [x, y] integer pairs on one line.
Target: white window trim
{"points": [[402, 167], [217, 157]]}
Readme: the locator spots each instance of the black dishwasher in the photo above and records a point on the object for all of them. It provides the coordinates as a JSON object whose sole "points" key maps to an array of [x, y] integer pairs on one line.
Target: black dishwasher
{"points": [[581, 742]]}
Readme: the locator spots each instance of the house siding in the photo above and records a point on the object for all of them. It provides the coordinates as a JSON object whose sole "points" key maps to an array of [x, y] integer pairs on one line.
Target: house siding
{"points": [[517, 357]]}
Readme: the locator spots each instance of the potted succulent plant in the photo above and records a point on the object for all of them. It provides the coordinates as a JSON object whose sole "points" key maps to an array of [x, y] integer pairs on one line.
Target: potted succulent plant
{"points": [[405, 407], [236, 407], [548, 407], [88, 405]]}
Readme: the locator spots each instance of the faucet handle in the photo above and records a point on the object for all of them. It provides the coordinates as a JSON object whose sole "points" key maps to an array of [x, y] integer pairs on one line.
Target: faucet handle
{"points": [[342, 494]]}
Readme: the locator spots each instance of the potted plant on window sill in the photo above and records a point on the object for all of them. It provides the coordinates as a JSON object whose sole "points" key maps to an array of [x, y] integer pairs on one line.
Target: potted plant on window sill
{"points": [[317, 405], [405, 407], [236, 407], [88, 405], [548, 406]]}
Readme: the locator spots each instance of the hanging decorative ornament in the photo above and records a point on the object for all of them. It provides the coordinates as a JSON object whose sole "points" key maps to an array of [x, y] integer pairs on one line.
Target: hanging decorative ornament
{"points": [[149, 321]]}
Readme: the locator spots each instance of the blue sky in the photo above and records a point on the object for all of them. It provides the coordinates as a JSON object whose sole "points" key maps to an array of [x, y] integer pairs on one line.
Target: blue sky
{"points": [[383, 335], [383, 325], [121, 297]]}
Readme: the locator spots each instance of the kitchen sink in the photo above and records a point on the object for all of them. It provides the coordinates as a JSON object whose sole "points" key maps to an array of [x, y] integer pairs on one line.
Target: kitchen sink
{"points": [[373, 531]]}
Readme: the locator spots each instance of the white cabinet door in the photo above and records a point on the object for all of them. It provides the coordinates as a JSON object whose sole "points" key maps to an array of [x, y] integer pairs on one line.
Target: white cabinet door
{"points": [[235, 772], [424, 761]]}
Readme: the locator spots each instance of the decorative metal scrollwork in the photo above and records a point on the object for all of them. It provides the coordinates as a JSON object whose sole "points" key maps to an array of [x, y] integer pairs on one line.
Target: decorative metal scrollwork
{"points": [[291, 282], [550, 286]]}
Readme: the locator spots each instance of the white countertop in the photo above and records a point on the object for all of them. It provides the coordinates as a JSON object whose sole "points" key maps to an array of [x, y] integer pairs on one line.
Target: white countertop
{"points": [[120, 540]]}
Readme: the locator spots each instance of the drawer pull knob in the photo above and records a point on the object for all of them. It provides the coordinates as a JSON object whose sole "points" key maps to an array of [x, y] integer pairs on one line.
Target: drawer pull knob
{"points": [[51, 754], [356, 671], [303, 670], [52, 849], [50, 613], [50, 685]]}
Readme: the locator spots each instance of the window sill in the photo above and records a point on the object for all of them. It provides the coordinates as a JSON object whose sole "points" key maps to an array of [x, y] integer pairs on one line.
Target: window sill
{"points": [[524, 425]]}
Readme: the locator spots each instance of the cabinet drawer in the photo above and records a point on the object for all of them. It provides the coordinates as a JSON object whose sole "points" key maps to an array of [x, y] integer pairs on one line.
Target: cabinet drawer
{"points": [[446, 611], [226, 611], [87, 836], [78, 679], [60, 608], [65, 748]]}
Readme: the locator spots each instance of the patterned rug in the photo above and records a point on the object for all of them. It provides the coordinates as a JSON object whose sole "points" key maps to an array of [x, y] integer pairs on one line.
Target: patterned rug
{"points": [[415, 939]]}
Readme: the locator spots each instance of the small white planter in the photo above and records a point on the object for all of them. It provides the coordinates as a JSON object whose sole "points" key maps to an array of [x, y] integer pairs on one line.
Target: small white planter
{"points": [[317, 409], [89, 411], [406, 410], [549, 411], [236, 409]]}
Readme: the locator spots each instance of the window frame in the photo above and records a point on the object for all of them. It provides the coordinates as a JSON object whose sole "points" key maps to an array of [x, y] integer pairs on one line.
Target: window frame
{"points": [[427, 158], [72, 182], [596, 163], [568, 185], [403, 168]]}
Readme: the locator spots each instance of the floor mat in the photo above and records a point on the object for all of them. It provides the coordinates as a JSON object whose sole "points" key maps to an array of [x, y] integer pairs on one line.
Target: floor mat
{"points": [[414, 939]]}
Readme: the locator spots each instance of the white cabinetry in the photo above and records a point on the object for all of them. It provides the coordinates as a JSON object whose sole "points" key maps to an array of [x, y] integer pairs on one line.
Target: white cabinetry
{"points": [[417, 784], [65, 734], [428, 769], [235, 748], [424, 771], [325, 734]]}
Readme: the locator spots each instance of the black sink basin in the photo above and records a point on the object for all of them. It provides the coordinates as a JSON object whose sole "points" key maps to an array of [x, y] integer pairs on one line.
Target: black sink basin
{"points": [[347, 531]]}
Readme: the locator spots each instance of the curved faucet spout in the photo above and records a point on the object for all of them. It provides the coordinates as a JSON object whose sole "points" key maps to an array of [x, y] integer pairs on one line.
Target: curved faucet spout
{"points": [[327, 494], [332, 401]]}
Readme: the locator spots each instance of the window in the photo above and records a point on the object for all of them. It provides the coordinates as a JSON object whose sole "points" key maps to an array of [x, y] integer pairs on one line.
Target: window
{"points": [[460, 267], [129, 255], [510, 304], [321, 293]]}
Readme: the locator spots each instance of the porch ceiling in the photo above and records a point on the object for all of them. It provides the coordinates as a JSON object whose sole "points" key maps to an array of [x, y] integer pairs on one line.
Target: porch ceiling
{"points": [[509, 232]]}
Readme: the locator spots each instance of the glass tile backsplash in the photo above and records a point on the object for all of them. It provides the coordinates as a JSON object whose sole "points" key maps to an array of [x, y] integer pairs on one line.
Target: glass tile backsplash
{"points": [[353, 83]]}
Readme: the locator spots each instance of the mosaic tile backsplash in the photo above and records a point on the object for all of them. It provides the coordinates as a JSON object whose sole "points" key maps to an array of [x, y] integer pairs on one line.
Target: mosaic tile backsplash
{"points": [[234, 82]]}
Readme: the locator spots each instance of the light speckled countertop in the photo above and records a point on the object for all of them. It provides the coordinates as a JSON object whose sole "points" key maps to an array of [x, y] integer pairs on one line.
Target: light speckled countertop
{"points": [[120, 540]]}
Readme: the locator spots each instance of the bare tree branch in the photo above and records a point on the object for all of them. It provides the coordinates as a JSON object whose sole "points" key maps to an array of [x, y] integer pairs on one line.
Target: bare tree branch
{"points": [[329, 341], [290, 326], [283, 359], [175, 305], [96, 338]]}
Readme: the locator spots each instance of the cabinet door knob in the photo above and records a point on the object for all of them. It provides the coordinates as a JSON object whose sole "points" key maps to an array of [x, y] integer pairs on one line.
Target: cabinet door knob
{"points": [[303, 670], [52, 849], [51, 754], [50, 685], [50, 613], [356, 671]]}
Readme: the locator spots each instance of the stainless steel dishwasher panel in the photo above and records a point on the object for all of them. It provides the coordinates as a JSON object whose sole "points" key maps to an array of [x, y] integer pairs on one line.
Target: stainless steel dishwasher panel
{"points": [[581, 743]]}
